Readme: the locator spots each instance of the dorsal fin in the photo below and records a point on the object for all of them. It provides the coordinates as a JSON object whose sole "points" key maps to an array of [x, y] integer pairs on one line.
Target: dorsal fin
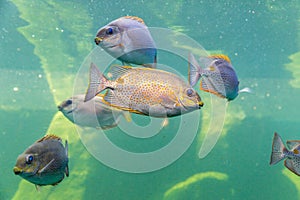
{"points": [[48, 137], [221, 56], [292, 144], [135, 18], [117, 71]]}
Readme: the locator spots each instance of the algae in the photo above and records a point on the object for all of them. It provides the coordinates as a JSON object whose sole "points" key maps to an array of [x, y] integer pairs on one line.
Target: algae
{"points": [[61, 39], [174, 192], [294, 68], [293, 178]]}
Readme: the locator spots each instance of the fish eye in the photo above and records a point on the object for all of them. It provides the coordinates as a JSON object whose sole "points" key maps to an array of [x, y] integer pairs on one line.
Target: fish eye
{"points": [[69, 102], [29, 159], [190, 92], [218, 62], [109, 31]]}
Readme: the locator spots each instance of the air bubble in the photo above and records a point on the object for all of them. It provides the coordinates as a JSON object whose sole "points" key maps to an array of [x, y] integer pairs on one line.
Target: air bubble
{"points": [[16, 89]]}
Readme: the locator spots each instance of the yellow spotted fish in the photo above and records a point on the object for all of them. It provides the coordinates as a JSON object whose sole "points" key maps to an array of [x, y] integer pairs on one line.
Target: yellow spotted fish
{"points": [[144, 91]]}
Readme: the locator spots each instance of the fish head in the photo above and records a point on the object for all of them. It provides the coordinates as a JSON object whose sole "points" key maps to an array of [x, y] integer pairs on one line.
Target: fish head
{"points": [[190, 99], [109, 37], [68, 107], [27, 165]]}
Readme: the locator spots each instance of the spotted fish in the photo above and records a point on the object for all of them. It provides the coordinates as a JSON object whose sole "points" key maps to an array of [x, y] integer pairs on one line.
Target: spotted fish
{"points": [[290, 154], [144, 91]]}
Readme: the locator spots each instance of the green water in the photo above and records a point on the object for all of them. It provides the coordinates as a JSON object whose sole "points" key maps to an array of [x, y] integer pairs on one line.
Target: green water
{"points": [[43, 44]]}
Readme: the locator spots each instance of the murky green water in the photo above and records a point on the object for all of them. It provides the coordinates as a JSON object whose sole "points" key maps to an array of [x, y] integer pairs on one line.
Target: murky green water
{"points": [[44, 43]]}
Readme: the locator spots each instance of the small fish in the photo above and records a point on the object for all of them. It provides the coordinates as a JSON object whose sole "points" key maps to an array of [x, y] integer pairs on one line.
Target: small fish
{"points": [[291, 155], [94, 113], [45, 162], [129, 40], [144, 91], [219, 77]]}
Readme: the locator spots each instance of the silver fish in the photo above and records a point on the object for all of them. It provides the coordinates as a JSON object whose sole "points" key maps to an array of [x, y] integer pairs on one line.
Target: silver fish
{"points": [[45, 162], [129, 40], [94, 113], [280, 152]]}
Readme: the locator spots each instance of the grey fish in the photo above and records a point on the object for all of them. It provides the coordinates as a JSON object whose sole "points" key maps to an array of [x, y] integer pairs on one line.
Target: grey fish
{"points": [[291, 155], [45, 162], [129, 40], [94, 113]]}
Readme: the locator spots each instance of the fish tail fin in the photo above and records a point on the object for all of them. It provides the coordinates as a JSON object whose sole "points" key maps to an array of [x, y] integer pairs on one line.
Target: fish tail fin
{"points": [[97, 83], [246, 89], [195, 70], [278, 150], [154, 62], [152, 65]]}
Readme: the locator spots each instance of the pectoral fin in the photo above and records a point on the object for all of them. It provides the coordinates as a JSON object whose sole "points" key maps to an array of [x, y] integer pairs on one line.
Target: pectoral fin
{"points": [[169, 101], [292, 144], [47, 166]]}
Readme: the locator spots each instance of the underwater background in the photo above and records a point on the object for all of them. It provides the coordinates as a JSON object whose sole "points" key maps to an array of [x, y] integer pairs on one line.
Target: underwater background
{"points": [[43, 44]]}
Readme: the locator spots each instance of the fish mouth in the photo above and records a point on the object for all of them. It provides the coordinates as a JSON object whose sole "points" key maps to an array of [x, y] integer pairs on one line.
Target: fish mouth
{"points": [[60, 108], [17, 170], [200, 104], [98, 40]]}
